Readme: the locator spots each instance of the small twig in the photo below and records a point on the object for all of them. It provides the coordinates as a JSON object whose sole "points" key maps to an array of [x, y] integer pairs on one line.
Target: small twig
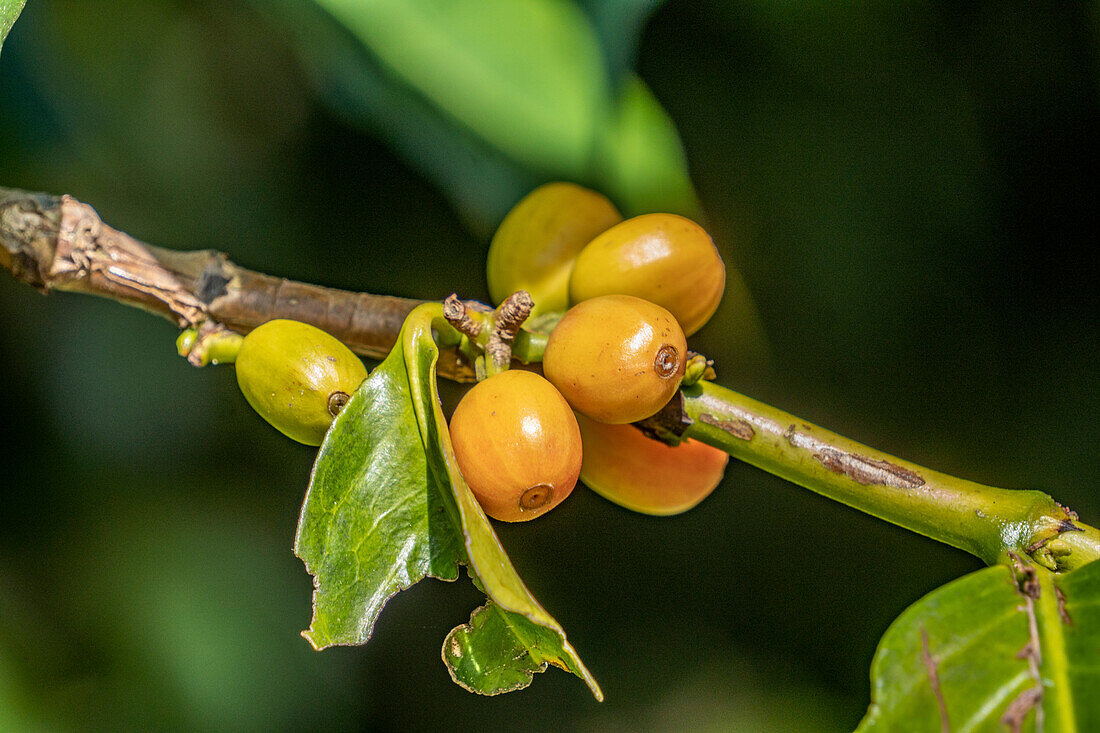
{"points": [[507, 320], [456, 313]]}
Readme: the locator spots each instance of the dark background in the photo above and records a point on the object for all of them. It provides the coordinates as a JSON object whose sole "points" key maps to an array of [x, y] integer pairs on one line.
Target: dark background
{"points": [[907, 189]]}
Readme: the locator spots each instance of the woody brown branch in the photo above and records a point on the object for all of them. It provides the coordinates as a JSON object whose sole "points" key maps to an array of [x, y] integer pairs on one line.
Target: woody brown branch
{"points": [[59, 243]]}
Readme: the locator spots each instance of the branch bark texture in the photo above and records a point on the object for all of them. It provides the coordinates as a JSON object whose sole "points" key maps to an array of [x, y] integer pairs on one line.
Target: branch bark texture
{"points": [[58, 243]]}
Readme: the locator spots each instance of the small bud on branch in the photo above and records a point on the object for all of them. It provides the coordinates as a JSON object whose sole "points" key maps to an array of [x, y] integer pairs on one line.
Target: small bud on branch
{"points": [[507, 319]]}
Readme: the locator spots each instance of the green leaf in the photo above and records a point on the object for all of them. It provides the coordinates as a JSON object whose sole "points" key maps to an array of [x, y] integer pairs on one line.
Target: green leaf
{"points": [[373, 522], [387, 507], [480, 181], [528, 77], [640, 161], [499, 651], [523, 624], [986, 650], [9, 11], [490, 110], [1073, 647]]}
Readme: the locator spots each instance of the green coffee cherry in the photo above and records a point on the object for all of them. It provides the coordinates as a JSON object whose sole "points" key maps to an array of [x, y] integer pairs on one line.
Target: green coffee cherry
{"points": [[297, 377]]}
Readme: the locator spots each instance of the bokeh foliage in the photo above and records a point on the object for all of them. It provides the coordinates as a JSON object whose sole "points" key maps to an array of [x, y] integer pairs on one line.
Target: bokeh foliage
{"points": [[906, 189]]}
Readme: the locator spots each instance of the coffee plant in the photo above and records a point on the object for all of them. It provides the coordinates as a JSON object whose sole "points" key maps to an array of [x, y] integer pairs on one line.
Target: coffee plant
{"points": [[599, 274]]}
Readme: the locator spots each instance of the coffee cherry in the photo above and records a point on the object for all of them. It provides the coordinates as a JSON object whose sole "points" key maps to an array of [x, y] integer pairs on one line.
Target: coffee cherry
{"points": [[297, 377], [664, 258], [644, 475], [517, 445], [616, 358], [538, 240]]}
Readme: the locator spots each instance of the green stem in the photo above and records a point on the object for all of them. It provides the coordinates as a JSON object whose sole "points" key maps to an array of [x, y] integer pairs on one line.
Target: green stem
{"points": [[529, 346], [986, 521], [215, 345]]}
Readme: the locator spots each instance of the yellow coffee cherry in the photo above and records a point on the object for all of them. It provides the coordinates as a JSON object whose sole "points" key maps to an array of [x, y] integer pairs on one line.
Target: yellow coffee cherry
{"points": [[663, 258], [536, 244], [297, 377], [616, 358]]}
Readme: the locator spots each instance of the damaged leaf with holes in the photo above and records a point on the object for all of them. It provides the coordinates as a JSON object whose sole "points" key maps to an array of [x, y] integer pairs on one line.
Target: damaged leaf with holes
{"points": [[387, 507], [499, 651], [995, 650]]}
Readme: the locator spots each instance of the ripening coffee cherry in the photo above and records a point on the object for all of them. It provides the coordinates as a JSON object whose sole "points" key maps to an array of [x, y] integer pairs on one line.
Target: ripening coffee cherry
{"points": [[616, 358], [297, 377], [644, 475], [664, 258], [517, 445], [539, 239]]}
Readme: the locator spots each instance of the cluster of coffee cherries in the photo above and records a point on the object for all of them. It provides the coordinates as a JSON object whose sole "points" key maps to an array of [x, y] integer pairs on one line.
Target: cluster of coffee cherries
{"points": [[631, 292]]}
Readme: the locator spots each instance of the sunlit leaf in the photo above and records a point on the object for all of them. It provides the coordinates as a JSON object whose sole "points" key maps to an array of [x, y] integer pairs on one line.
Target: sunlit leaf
{"points": [[523, 623], [9, 11], [986, 651], [529, 62], [641, 160], [480, 181], [528, 77], [499, 651], [373, 521]]}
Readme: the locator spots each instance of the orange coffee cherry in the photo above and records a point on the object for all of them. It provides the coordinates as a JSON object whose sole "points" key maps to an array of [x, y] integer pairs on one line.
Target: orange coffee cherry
{"points": [[536, 244], [517, 445], [664, 258], [616, 358], [623, 465]]}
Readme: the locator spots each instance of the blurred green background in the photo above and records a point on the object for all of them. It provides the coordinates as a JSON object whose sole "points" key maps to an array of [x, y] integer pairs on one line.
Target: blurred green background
{"points": [[907, 189]]}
